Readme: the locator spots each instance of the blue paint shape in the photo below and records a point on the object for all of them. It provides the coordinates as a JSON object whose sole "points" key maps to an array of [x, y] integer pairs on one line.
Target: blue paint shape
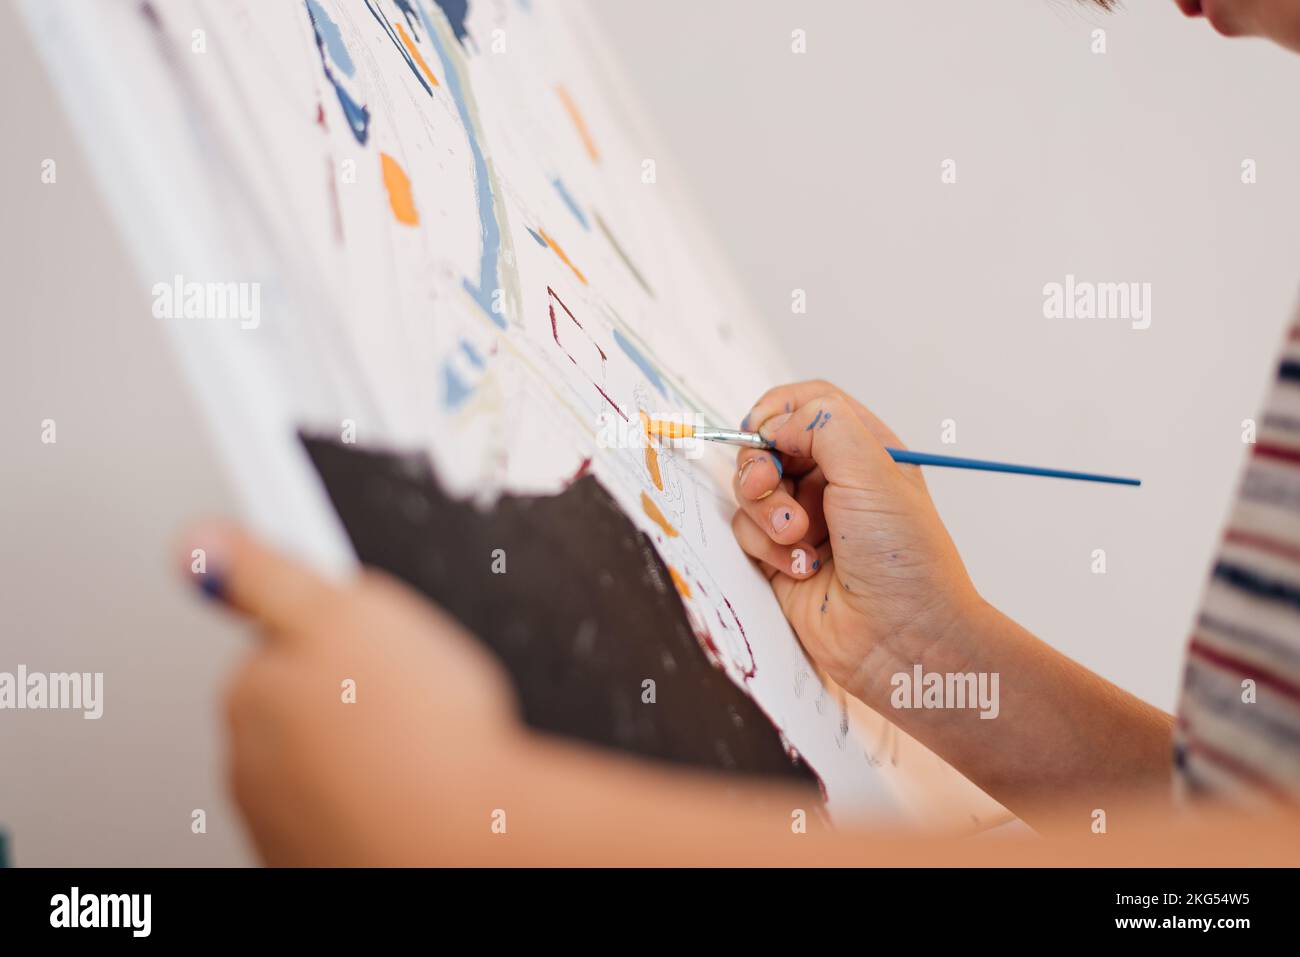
{"points": [[357, 115], [570, 202], [813, 424], [780, 470], [644, 364], [329, 31], [454, 389], [489, 229], [455, 11], [471, 354], [540, 241], [744, 424]]}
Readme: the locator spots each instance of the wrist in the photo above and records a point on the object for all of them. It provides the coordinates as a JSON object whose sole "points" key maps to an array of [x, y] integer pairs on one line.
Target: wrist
{"points": [[947, 638]]}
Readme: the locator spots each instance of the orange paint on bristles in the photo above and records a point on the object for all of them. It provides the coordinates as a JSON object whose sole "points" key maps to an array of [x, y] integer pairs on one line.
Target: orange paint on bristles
{"points": [[669, 430]]}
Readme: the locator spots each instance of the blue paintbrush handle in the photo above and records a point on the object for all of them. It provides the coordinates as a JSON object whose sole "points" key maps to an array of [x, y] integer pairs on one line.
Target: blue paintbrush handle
{"points": [[953, 462]]}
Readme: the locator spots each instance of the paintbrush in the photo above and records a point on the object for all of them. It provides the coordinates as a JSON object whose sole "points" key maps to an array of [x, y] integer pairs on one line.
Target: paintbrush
{"points": [[752, 440]]}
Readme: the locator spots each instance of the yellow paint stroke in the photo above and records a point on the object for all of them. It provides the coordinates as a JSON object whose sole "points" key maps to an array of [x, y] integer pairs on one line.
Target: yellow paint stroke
{"points": [[669, 430], [656, 516], [680, 582], [579, 123], [399, 191], [412, 49], [560, 252], [651, 455]]}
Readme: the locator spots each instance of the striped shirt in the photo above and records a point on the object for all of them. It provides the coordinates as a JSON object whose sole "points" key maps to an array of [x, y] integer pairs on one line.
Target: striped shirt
{"points": [[1238, 733]]}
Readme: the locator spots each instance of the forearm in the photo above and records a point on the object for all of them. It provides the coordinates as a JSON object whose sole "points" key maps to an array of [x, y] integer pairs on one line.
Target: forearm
{"points": [[1064, 739], [579, 806]]}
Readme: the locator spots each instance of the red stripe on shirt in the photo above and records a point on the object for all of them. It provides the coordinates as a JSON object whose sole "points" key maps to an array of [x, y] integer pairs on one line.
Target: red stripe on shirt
{"points": [[1282, 686], [1278, 453], [1263, 542], [1239, 769]]}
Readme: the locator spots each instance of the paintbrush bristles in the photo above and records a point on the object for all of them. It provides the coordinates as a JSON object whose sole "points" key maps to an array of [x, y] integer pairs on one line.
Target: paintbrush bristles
{"points": [[670, 430]]}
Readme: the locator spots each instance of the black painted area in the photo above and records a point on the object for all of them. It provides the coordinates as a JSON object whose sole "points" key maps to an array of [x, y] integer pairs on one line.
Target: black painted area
{"points": [[584, 613]]}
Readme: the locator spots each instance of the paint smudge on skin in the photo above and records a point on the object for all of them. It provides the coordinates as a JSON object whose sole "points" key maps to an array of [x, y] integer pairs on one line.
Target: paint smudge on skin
{"points": [[824, 421], [414, 51], [358, 116], [817, 564], [682, 586], [826, 600], [571, 203], [333, 37], [647, 368], [744, 424], [563, 256], [618, 248], [780, 469], [656, 516], [575, 116], [651, 454], [813, 424], [398, 185], [540, 241]]}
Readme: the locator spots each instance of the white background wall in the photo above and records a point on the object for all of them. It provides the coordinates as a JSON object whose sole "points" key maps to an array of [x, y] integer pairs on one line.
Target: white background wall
{"points": [[819, 171]]}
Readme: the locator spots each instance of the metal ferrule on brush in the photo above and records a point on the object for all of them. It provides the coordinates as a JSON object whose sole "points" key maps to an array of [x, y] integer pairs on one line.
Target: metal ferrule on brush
{"points": [[732, 437]]}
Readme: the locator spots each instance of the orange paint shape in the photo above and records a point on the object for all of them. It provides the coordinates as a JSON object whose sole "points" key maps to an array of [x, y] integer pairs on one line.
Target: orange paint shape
{"points": [[412, 49], [578, 122], [651, 455], [680, 582], [560, 252], [669, 430], [656, 516], [398, 185]]}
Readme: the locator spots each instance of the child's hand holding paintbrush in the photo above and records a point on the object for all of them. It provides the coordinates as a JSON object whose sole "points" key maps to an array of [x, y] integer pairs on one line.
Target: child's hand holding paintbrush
{"points": [[872, 583]]}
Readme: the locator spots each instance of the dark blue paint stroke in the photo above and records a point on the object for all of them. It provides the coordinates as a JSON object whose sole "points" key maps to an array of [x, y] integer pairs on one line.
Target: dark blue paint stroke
{"points": [[540, 241], [455, 11], [333, 37], [644, 364], [489, 228], [357, 115], [401, 47], [569, 201]]}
